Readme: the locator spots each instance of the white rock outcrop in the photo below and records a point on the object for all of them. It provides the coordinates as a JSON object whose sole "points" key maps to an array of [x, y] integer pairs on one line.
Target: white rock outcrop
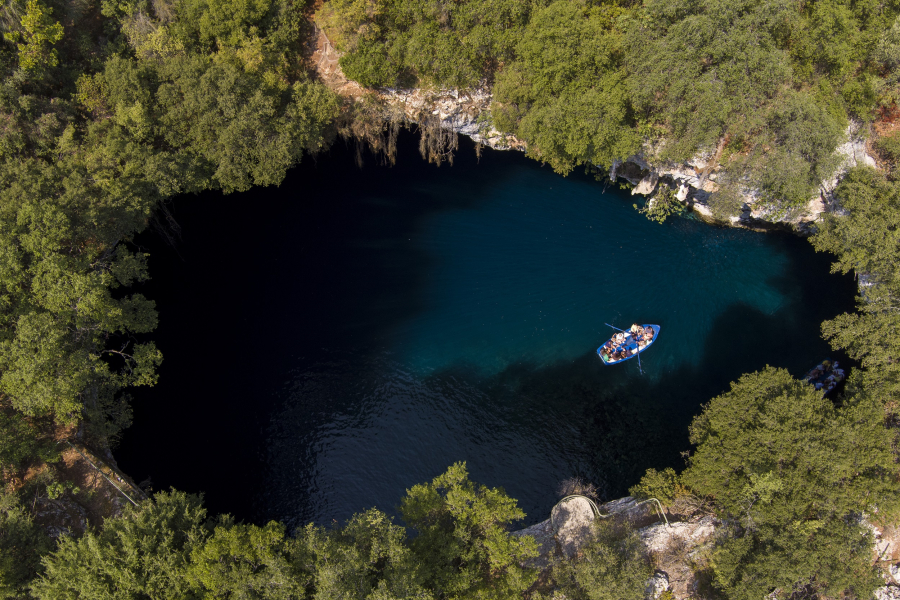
{"points": [[656, 585], [467, 112], [660, 537]]}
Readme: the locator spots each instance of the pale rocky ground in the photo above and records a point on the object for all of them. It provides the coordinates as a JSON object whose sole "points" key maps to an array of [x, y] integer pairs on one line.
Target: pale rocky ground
{"points": [[676, 548], [673, 547]]}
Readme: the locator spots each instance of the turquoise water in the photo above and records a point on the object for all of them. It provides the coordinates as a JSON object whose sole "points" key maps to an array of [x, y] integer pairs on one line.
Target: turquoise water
{"points": [[354, 332], [534, 272]]}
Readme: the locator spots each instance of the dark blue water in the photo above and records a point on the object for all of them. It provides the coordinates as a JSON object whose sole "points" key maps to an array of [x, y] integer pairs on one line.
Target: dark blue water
{"points": [[334, 341]]}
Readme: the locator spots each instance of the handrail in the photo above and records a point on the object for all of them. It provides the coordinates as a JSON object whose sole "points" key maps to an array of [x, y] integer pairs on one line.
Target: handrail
{"points": [[99, 470], [596, 510]]}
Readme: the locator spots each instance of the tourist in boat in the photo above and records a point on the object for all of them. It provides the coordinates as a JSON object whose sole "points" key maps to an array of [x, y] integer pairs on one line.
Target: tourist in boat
{"points": [[648, 334]]}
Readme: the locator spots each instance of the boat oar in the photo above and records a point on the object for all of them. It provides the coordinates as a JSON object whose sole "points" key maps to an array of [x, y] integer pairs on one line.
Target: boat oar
{"points": [[616, 328], [639, 361]]}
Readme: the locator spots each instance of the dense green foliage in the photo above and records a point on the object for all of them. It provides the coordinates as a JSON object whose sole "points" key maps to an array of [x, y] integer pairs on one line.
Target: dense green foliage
{"points": [[22, 543], [612, 565], [462, 538], [447, 42], [793, 472], [565, 93], [168, 549], [590, 82], [103, 121], [866, 241]]}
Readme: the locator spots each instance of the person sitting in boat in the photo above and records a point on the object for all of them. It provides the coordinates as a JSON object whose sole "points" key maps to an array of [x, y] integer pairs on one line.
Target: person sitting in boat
{"points": [[648, 334], [619, 338], [637, 331]]}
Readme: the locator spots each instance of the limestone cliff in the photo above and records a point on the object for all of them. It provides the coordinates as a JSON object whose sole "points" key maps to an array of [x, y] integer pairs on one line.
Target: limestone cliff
{"points": [[467, 112], [679, 545]]}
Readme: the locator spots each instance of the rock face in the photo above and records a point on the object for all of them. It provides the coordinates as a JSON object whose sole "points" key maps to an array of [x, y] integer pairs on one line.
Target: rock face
{"points": [[661, 537], [570, 528], [695, 181], [467, 112], [656, 585], [572, 519]]}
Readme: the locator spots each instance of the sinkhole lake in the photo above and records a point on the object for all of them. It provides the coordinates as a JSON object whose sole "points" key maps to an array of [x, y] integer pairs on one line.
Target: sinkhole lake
{"points": [[331, 342]]}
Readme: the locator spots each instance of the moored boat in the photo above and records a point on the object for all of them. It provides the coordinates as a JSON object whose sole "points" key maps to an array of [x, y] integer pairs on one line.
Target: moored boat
{"points": [[825, 376], [628, 344]]}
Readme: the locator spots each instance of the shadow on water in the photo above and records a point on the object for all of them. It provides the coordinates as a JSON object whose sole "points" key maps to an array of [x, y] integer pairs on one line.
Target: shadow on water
{"points": [[260, 278], [280, 398]]}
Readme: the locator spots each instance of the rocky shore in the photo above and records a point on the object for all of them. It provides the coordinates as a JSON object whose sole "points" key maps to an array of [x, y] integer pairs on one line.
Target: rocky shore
{"points": [[468, 112], [679, 546]]}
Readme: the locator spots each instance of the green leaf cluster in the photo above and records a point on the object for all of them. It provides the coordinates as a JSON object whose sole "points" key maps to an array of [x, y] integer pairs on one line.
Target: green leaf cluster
{"points": [[793, 472], [22, 543], [447, 42], [867, 241], [168, 548], [661, 206], [566, 93], [613, 565], [462, 540]]}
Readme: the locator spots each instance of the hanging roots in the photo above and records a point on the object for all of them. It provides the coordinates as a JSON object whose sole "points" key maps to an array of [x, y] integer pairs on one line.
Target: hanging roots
{"points": [[436, 144], [374, 124]]}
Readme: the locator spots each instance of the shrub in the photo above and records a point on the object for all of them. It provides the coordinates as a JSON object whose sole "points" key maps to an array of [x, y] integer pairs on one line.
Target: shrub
{"points": [[612, 566], [663, 485]]}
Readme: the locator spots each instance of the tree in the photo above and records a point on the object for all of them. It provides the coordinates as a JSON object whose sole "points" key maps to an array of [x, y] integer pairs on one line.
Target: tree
{"points": [[22, 543], [143, 554], [461, 539], [566, 93], [367, 558], [458, 43], [793, 472], [613, 565], [867, 241], [36, 50], [246, 562]]}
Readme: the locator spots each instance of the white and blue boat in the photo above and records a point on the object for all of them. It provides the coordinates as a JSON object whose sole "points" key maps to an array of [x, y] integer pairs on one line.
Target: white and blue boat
{"points": [[628, 344]]}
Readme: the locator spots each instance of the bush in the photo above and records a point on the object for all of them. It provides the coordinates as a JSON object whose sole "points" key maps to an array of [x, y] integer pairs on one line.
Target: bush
{"points": [[661, 206], [462, 542], [21, 545], [663, 485], [888, 147], [725, 203], [144, 554], [612, 566]]}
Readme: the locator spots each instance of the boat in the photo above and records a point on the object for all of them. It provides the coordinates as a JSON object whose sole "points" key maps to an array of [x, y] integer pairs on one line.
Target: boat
{"points": [[825, 376], [625, 341]]}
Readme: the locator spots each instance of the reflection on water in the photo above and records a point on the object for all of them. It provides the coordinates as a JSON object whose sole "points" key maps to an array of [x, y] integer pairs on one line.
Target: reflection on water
{"points": [[422, 316]]}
